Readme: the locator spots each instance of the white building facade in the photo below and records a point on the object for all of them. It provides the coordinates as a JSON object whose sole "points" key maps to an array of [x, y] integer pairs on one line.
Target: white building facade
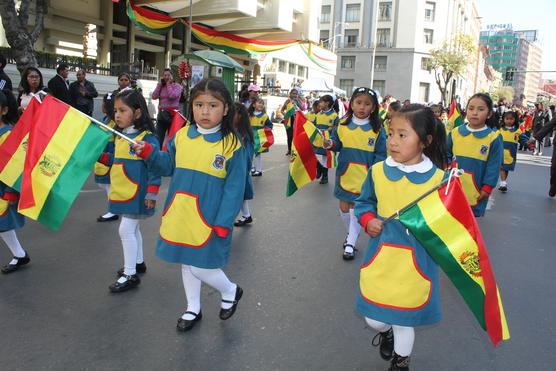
{"points": [[406, 31]]}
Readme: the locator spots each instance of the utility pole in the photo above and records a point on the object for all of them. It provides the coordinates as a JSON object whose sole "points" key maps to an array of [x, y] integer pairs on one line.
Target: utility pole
{"points": [[373, 38]]}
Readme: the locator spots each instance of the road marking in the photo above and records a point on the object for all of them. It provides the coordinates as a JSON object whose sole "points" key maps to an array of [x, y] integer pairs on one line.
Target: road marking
{"points": [[543, 161]]}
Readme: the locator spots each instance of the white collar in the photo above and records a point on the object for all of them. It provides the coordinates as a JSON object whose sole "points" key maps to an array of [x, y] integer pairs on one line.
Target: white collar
{"points": [[328, 110], [130, 130], [257, 113], [360, 122], [476, 130], [421, 167], [209, 131]]}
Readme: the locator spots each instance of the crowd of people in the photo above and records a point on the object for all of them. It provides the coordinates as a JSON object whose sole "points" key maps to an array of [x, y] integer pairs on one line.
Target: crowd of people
{"points": [[388, 153]]}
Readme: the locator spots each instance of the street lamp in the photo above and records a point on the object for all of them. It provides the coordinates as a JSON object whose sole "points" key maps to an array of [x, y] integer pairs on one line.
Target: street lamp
{"points": [[333, 39]]}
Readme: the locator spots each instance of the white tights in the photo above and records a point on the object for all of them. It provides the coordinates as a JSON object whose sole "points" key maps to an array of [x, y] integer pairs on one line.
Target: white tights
{"points": [[192, 279], [404, 337], [10, 238], [132, 242], [106, 189], [258, 162]]}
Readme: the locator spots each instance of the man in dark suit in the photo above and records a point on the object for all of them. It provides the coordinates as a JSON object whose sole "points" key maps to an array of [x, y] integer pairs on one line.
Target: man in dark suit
{"points": [[546, 131], [59, 85], [5, 82]]}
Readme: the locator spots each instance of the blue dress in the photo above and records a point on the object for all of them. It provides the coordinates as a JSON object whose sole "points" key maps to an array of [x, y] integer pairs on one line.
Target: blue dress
{"points": [[398, 279]]}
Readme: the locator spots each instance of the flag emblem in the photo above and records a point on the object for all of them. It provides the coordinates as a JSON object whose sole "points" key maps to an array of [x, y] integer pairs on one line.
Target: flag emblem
{"points": [[371, 142], [483, 150], [49, 165], [470, 263]]}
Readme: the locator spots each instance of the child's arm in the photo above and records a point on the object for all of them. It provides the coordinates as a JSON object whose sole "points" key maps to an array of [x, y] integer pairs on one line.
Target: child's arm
{"points": [[10, 195], [159, 163], [449, 146], [334, 143], [494, 161], [268, 123], [107, 157], [365, 208], [380, 147], [232, 196], [153, 180]]}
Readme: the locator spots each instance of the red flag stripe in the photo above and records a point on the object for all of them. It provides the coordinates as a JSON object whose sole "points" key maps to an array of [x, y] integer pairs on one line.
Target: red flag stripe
{"points": [[21, 129], [305, 152]]}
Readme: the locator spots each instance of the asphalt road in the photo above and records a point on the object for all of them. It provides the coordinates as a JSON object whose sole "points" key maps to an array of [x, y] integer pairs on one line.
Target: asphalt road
{"points": [[297, 312]]}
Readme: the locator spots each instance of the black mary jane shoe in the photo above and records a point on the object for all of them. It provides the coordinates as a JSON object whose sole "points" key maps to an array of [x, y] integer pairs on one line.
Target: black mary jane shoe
{"points": [[184, 325], [227, 313], [386, 342], [257, 173], [324, 180], [10, 268], [139, 268], [102, 219], [243, 221], [349, 255], [130, 282]]}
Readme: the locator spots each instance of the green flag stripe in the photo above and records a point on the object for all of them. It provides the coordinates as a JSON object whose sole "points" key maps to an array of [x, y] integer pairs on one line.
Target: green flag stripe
{"points": [[469, 290]]}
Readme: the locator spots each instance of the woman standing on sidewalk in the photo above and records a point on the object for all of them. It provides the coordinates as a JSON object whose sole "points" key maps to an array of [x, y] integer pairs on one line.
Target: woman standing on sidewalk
{"points": [[292, 101]]}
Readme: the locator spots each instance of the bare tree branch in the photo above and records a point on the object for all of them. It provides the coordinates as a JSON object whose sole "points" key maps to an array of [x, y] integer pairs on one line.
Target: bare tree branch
{"points": [[23, 13], [41, 10]]}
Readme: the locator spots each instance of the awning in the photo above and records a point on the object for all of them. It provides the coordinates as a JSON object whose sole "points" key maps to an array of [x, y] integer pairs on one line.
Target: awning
{"points": [[212, 57]]}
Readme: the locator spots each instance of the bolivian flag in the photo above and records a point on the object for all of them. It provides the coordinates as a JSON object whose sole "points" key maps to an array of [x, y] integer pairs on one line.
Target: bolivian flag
{"points": [[263, 138], [149, 20], [444, 224], [454, 117], [290, 111], [303, 162], [62, 149], [12, 151]]}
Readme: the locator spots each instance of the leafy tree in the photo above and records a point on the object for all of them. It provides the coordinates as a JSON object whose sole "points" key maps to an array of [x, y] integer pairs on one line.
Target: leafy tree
{"points": [[20, 37], [449, 61], [503, 92]]}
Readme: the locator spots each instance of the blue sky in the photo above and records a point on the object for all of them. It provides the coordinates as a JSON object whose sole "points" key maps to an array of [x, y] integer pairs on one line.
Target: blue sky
{"points": [[529, 14]]}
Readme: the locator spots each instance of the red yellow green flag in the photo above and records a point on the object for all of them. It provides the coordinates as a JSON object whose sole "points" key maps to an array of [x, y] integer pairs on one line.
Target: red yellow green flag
{"points": [[303, 162], [263, 138], [12, 151], [62, 149], [454, 117], [444, 224], [149, 20], [290, 112], [178, 122]]}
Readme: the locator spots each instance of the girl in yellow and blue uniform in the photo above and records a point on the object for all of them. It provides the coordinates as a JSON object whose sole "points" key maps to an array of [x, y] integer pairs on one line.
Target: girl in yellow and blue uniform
{"points": [[134, 189], [361, 142], [510, 135], [398, 282], [101, 171], [259, 120], [207, 163], [478, 151], [10, 219], [243, 127], [326, 120]]}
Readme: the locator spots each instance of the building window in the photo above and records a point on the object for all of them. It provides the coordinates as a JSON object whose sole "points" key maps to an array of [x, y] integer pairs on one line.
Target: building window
{"points": [[381, 63], [426, 64], [351, 37], [282, 66], [428, 36], [302, 71], [348, 62], [325, 14], [424, 89], [430, 8], [324, 38], [380, 86], [352, 12], [347, 85], [383, 37], [385, 11], [291, 68]]}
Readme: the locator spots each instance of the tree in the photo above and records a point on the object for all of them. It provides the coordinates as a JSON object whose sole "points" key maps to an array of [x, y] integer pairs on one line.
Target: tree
{"points": [[19, 37], [503, 92], [450, 61]]}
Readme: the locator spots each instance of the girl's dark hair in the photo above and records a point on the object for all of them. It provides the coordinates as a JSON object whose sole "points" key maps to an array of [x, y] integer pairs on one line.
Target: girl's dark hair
{"points": [[514, 115], [124, 74], [25, 85], [216, 88], [108, 103], [134, 100], [251, 108], [424, 123], [7, 99], [315, 104], [242, 124], [395, 106], [374, 118], [332, 103], [491, 122]]}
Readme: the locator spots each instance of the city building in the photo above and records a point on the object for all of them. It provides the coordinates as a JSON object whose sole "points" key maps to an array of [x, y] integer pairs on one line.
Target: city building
{"points": [[517, 51], [406, 31]]}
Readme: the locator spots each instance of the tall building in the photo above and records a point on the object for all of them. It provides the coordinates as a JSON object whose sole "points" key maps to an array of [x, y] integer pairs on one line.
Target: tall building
{"points": [[518, 51], [406, 31]]}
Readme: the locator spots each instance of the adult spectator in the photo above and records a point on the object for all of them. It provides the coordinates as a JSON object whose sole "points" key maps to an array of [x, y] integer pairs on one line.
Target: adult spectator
{"points": [[5, 82], [31, 85], [546, 131], [59, 84], [293, 99], [542, 116], [253, 93], [82, 93], [124, 82], [169, 93]]}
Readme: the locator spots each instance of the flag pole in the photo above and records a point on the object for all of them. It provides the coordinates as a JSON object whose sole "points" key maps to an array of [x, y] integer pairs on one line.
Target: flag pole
{"points": [[113, 131], [448, 179]]}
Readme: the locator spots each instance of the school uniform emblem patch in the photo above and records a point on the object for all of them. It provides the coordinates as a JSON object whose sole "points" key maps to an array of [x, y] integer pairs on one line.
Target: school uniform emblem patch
{"points": [[218, 162], [371, 142], [483, 150]]}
